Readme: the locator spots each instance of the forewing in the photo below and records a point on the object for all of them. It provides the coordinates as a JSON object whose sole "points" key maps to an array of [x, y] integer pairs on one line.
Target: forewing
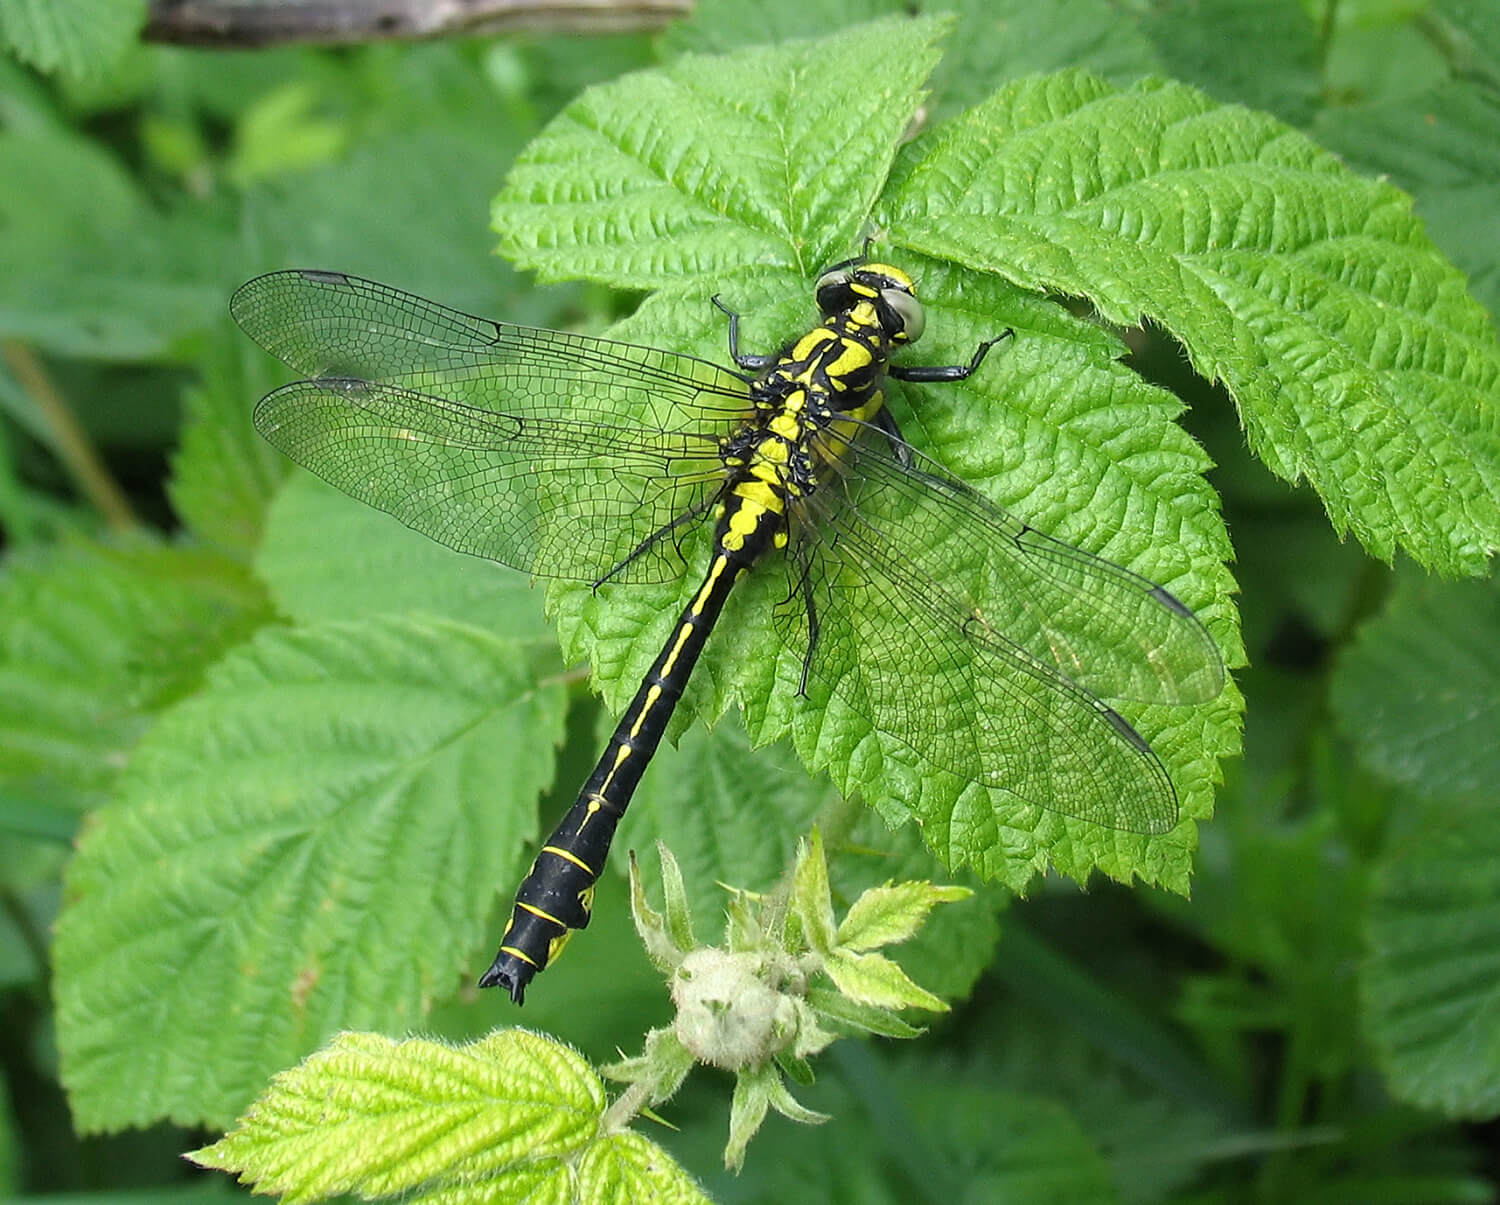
{"points": [[559, 454], [327, 324]]}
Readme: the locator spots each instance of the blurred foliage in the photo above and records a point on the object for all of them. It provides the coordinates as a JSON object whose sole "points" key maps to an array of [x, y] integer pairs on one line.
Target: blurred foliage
{"points": [[1320, 1022]]}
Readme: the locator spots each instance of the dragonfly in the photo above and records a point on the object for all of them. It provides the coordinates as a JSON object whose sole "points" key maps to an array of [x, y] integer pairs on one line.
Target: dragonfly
{"points": [[982, 644]]}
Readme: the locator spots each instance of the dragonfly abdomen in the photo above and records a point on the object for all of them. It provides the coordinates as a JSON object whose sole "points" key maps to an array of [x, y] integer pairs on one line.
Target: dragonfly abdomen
{"points": [[557, 895]]}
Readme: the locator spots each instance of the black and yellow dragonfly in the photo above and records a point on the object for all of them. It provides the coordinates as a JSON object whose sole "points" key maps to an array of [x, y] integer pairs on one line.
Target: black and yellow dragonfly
{"points": [[979, 642]]}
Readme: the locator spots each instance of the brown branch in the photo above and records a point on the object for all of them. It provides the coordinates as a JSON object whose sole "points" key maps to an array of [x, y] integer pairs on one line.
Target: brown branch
{"points": [[236, 24]]}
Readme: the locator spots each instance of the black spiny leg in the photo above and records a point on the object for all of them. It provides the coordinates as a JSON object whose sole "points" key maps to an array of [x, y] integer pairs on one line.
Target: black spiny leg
{"points": [[748, 363], [928, 374], [885, 422]]}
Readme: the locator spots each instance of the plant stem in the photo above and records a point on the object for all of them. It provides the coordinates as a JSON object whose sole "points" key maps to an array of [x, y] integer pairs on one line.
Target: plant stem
{"points": [[68, 438]]}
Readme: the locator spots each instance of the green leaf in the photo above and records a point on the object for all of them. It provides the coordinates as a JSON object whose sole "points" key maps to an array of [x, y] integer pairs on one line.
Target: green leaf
{"points": [[87, 267], [1418, 690], [79, 38], [1011, 1147], [812, 899], [1203, 42], [883, 916], [666, 935], [626, 1168], [93, 639], [377, 1117], [1054, 429], [1442, 146], [326, 557], [717, 26], [1356, 357], [874, 980], [336, 809], [424, 234], [842, 1012], [999, 40], [679, 916], [772, 156], [224, 474], [1431, 984], [747, 1109]]}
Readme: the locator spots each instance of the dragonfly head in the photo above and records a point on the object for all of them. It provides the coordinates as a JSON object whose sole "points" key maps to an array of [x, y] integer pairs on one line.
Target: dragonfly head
{"points": [[888, 289]]}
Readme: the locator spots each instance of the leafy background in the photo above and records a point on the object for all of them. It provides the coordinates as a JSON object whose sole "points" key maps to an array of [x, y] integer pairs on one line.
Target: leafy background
{"points": [[1320, 1021]]}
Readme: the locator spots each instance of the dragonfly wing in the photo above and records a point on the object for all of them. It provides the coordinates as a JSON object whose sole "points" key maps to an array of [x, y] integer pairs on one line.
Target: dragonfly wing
{"points": [[554, 497], [899, 649], [563, 455], [1113, 632], [330, 325]]}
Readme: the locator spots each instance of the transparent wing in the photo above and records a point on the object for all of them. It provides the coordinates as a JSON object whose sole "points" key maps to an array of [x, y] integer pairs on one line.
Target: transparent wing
{"points": [[984, 645], [559, 454]]}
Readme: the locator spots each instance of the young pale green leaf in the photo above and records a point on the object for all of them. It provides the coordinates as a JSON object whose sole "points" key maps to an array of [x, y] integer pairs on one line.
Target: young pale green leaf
{"points": [[747, 1109], [80, 38], [310, 843], [956, 944], [812, 898], [842, 1013], [773, 155], [679, 916], [378, 1117], [661, 946], [1418, 691], [874, 980], [883, 916], [1431, 984], [626, 1168], [1355, 355], [93, 639]]}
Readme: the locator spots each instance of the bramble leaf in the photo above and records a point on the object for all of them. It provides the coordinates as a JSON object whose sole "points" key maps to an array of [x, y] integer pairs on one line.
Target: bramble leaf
{"points": [[1053, 428], [307, 844], [883, 916], [1418, 690], [513, 1117], [80, 38], [93, 640], [773, 155], [1431, 985], [1357, 358]]}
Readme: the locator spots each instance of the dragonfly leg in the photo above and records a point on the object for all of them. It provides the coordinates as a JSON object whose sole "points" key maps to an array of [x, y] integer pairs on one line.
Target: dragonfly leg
{"points": [[935, 373], [749, 363]]}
